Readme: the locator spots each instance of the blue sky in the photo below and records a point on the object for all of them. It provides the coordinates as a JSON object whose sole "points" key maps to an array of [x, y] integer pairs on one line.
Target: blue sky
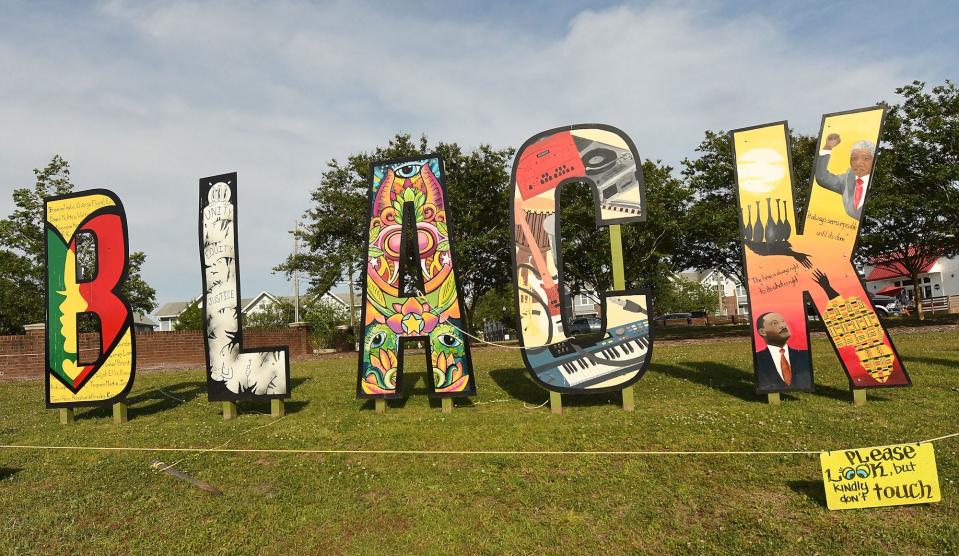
{"points": [[146, 98]]}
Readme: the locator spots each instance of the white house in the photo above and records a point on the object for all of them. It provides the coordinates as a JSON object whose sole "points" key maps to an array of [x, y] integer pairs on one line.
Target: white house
{"points": [[939, 277]]}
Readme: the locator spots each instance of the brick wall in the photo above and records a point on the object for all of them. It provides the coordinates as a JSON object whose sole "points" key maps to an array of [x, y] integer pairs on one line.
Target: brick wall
{"points": [[22, 356]]}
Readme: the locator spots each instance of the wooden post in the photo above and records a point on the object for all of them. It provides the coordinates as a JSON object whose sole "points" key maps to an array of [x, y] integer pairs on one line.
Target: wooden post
{"points": [[229, 411], [66, 415], [120, 413], [555, 402], [774, 398], [858, 396], [619, 284], [628, 402], [277, 408], [380, 405], [447, 405]]}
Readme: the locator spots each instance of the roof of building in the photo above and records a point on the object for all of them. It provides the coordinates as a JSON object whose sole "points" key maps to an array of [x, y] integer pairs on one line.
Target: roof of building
{"points": [[886, 267]]}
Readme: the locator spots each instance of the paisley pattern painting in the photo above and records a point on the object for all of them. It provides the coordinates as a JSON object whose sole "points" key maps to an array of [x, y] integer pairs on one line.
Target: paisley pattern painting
{"points": [[411, 190]]}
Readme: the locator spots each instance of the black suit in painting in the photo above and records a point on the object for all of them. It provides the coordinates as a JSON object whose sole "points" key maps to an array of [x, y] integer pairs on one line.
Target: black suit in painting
{"points": [[768, 380]]}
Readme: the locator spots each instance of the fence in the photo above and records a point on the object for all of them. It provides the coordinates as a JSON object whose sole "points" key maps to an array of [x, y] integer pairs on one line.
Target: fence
{"points": [[22, 356], [941, 304]]}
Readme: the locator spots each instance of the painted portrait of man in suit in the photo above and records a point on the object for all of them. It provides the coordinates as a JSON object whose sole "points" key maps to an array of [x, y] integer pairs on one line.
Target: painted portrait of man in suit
{"points": [[779, 367], [853, 184]]}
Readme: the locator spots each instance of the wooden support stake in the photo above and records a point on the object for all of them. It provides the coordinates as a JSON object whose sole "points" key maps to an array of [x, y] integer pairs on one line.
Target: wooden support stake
{"points": [[66, 415], [380, 405], [447, 405], [774, 398], [229, 411], [556, 402], [120, 413], [858, 397], [277, 408], [628, 401], [616, 251]]}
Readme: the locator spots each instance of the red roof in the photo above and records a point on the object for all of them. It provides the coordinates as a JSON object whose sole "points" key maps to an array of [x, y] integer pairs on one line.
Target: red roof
{"points": [[886, 267]]}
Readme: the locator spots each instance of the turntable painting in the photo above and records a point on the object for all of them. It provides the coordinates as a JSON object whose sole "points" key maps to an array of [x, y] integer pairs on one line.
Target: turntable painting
{"points": [[604, 158]]}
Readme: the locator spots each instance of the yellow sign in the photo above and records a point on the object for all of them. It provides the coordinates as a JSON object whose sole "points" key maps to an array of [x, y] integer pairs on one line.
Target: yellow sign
{"points": [[880, 476]]}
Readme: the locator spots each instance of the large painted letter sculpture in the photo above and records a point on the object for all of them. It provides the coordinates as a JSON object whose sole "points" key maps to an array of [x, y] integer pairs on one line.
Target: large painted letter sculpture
{"points": [[233, 373], [411, 192], [606, 159], [69, 381], [784, 264]]}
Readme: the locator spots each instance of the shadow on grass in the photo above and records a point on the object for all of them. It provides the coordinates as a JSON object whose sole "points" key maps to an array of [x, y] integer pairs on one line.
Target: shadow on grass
{"points": [[810, 489], [739, 383], [951, 363], [7, 472], [517, 384], [158, 400], [717, 376]]}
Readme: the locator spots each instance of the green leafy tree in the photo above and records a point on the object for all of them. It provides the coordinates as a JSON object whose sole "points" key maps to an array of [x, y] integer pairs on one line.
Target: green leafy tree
{"points": [[324, 317], [275, 315], [335, 231], [712, 235], [190, 319], [684, 296], [497, 305], [913, 213], [22, 253]]}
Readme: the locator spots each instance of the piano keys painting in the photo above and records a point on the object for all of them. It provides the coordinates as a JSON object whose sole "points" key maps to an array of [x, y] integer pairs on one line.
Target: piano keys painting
{"points": [[604, 158]]}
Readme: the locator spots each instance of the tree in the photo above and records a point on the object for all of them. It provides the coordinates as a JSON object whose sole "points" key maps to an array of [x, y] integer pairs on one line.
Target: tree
{"points": [[913, 213], [324, 318], [477, 195], [712, 238], [275, 315], [684, 296], [22, 253], [496, 305], [190, 319]]}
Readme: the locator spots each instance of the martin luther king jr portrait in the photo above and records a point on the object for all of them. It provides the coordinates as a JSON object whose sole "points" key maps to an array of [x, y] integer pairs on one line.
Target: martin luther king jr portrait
{"points": [[779, 367], [853, 184]]}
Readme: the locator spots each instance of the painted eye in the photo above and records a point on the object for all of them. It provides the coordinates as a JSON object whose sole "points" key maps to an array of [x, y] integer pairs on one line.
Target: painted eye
{"points": [[849, 473], [862, 471], [378, 339], [408, 170], [449, 340]]}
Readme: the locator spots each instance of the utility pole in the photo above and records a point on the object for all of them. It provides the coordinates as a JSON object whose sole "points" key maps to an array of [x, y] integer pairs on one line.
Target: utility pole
{"points": [[296, 273]]}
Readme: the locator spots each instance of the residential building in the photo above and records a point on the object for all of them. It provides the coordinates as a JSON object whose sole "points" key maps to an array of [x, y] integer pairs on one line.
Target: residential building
{"points": [[729, 292], [938, 277]]}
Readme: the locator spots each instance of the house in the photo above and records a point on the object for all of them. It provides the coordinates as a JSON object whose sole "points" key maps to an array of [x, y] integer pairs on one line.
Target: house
{"points": [[730, 293], [939, 277], [144, 323], [168, 314]]}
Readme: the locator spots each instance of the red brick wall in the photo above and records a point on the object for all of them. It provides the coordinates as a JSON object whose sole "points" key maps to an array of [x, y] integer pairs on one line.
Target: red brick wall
{"points": [[22, 356]]}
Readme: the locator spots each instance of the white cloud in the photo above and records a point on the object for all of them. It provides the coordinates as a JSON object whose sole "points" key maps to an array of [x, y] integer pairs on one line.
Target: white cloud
{"points": [[147, 99]]}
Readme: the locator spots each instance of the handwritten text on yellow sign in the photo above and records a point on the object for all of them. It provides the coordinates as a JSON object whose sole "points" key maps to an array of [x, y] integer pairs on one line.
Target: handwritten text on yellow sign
{"points": [[880, 476]]}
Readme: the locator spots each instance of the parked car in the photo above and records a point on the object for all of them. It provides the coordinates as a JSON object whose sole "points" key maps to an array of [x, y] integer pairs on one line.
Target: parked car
{"points": [[674, 316], [886, 305], [586, 325]]}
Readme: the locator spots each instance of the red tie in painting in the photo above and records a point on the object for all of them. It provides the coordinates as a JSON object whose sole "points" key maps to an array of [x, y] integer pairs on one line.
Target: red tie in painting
{"points": [[857, 196], [784, 365]]}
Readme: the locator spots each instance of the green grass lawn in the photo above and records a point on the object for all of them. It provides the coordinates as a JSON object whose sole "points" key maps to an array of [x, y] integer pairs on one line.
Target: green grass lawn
{"points": [[694, 397]]}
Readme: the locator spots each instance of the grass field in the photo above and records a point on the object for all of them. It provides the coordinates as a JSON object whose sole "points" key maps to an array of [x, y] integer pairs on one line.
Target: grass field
{"points": [[694, 397]]}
